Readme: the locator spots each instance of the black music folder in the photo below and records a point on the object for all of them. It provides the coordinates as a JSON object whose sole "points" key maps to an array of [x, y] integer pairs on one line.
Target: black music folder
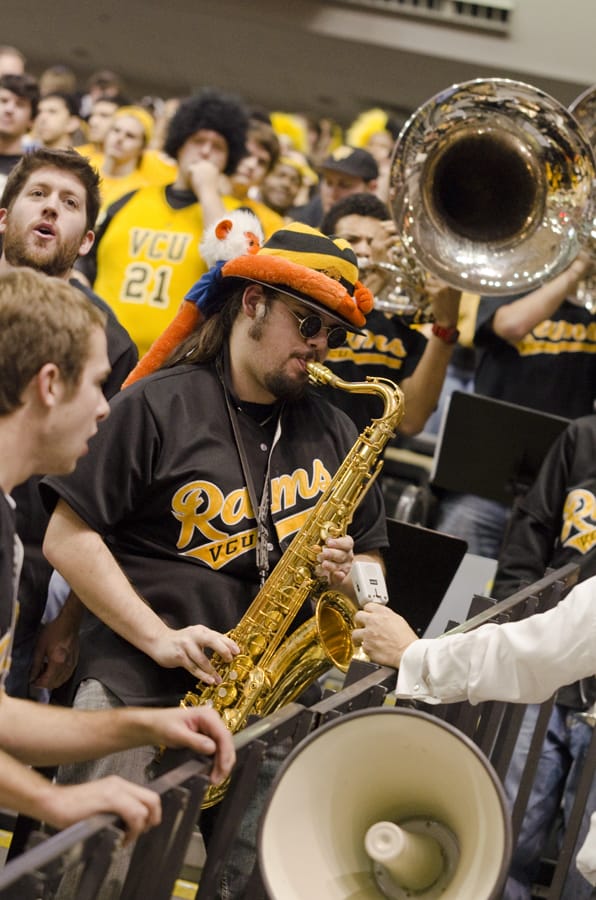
{"points": [[420, 566], [491, 448]]}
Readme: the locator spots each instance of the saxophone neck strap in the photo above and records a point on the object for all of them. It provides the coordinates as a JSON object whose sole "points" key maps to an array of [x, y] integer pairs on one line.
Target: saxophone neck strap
{"points": [[260, 507]]}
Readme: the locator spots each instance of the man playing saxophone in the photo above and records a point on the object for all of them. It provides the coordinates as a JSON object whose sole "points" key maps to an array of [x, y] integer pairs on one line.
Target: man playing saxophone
{"points": [[204, 472]]}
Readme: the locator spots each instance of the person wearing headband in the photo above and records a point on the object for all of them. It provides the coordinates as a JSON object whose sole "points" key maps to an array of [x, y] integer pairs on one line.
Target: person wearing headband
{"points": [[123, 164]]}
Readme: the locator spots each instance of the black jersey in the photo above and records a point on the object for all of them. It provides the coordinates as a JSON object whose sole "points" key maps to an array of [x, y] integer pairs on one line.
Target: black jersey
{"points": [[553, 368], [10, 562], [163, 483], [122, 353], [387, 348], [555, 524]]}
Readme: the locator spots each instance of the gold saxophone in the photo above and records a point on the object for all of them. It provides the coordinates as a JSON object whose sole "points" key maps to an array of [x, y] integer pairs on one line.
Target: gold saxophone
{"points": [[269, 672]]}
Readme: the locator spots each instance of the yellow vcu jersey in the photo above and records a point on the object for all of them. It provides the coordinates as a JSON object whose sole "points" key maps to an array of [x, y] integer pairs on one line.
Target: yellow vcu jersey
{"points": [[112, 188], [147, 259], [153, 169], [158, 168]]}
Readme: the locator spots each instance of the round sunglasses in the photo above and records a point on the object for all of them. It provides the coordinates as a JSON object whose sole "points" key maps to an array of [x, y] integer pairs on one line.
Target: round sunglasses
{"points": [[311, 325]]}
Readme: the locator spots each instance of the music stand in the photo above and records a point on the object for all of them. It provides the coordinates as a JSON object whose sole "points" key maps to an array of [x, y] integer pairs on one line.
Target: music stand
{"points": [[420, 566], [491, 448]]}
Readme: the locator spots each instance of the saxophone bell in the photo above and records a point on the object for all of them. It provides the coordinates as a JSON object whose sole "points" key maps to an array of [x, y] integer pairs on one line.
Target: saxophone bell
{"points": [[334, 618]]}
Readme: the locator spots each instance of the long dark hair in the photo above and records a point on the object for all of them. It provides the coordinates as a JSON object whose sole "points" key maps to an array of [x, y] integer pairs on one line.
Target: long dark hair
{"points": [[207, 340]]}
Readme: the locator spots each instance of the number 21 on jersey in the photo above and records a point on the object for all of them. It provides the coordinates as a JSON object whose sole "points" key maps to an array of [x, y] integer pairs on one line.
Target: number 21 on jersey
{"points": [[147, 285]]}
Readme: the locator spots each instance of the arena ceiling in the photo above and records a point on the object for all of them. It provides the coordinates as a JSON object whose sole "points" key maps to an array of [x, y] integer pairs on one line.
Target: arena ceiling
{"points": [[275, 55]]}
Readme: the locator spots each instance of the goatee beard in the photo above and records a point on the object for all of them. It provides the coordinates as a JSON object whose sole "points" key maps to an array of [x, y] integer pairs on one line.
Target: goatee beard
{"points": [[284, 388]]}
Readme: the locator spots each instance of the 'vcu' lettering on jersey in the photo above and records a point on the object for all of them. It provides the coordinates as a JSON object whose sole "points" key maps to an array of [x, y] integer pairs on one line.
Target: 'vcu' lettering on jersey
{"points": [[158, 245]]}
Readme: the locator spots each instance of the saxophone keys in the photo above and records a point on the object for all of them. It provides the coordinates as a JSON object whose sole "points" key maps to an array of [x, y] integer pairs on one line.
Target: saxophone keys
{"points": [[232, 719], [256, 645], [240, 666], [329, 529], [304, 573], [255, 684], [190, 699], [226, 693]]}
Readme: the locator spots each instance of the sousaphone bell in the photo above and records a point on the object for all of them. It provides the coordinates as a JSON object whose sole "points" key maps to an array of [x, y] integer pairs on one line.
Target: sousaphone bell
{"points": [[492, 186], [583, 109]]}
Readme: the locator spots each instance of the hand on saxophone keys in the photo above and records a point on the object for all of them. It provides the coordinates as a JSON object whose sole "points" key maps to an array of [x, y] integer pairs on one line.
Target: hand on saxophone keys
{"points": [[185, 647], [335, 559]]}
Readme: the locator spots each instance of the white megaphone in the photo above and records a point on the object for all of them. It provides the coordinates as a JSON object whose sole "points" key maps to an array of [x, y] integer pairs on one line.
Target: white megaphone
{"points": [[386, 802]]}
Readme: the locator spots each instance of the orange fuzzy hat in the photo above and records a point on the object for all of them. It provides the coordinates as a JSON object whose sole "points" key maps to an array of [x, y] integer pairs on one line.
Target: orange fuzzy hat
{"points": [[296, 260]]}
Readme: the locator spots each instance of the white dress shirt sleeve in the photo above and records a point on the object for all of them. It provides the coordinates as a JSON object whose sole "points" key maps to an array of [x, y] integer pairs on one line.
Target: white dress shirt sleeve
{"points": [[523, 662]]}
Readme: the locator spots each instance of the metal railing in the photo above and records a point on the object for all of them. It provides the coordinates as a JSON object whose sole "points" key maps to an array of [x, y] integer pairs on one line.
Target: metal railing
{"points": [[159, 855]]}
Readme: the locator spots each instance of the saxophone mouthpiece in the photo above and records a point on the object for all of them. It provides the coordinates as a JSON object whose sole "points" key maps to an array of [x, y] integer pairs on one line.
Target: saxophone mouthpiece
{"points": [[320, 374]]}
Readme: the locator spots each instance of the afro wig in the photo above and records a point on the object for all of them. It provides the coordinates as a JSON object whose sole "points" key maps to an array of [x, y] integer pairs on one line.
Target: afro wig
{"points": [[215, 111]]}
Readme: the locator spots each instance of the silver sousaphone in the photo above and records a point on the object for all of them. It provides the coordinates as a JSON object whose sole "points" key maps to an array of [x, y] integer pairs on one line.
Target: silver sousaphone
{"points": [[583, 109], [492, 186]]}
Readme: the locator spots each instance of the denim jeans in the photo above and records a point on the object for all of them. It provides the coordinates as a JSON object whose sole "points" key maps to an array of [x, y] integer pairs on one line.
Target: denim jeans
{"points": [[557, 775], [242, 855], [129, 764], [478, 521]]}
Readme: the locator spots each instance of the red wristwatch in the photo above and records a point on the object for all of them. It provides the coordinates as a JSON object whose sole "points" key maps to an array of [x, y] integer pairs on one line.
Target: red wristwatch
{"points": [[448, 335]]}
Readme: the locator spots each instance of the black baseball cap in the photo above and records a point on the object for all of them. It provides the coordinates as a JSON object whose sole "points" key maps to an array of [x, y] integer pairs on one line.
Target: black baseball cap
{"points": [[352, 161]]}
